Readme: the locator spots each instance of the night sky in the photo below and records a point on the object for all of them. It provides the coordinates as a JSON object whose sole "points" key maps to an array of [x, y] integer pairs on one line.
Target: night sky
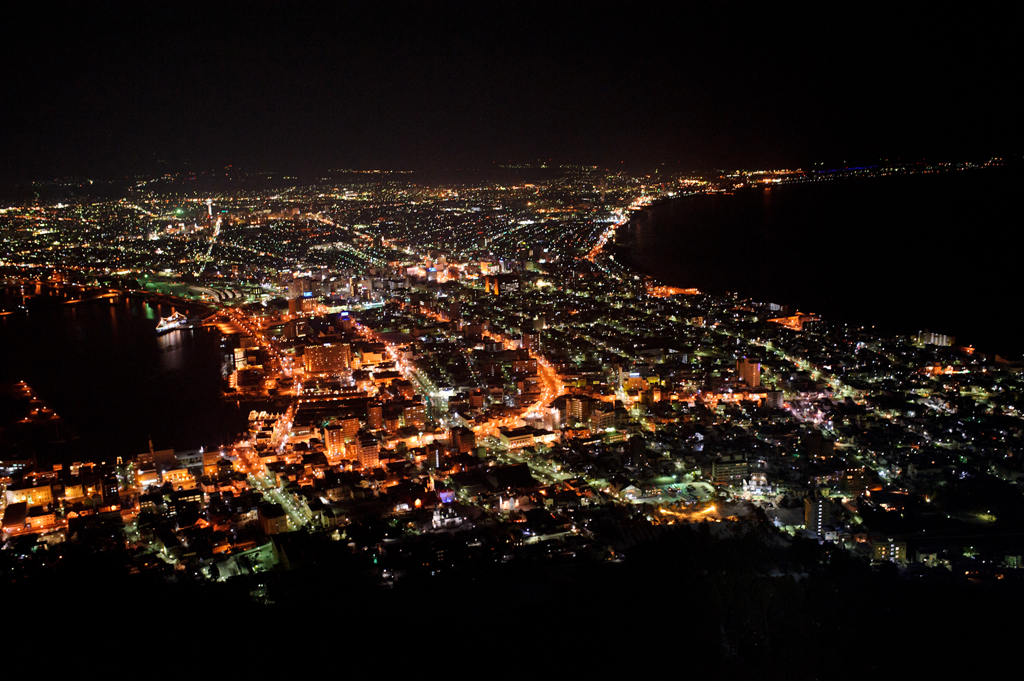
{"points": [[113, 89]]}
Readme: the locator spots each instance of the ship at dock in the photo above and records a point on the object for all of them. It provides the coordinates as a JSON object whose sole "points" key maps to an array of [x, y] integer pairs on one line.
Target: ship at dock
{"points": [[176, 321]]}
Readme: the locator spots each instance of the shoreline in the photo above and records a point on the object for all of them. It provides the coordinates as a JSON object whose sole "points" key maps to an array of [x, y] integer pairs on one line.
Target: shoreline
{"points": [[98, 292], [845, 290]]}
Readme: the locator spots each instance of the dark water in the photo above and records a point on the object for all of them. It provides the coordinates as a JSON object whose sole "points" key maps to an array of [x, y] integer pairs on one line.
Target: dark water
{"points": [[903, 253], [115, 383]]}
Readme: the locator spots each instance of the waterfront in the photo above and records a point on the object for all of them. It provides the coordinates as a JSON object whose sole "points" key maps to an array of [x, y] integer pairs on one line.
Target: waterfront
{"points": [[101, 366], [903, 253]]}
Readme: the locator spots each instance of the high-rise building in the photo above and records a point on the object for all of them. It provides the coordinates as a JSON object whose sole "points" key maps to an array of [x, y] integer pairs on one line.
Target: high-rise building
{"points": [[601, 419], [296, 328], [374, 415], [749, 371], [552, 418], [463, 440], [579, 407], [340, 432], [817, 514], [414, 413], [476, 399], [366, 449]]}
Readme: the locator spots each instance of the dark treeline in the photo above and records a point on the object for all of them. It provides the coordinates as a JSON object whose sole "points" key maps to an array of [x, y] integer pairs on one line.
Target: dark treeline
{"points": [[749, 603]]}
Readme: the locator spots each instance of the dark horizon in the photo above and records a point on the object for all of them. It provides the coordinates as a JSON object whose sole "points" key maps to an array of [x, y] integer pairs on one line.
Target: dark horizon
{"points": [[115, 89]]}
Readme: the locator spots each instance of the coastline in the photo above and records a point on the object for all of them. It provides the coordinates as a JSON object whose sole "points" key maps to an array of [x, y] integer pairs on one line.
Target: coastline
{"points": [[794, 245]]}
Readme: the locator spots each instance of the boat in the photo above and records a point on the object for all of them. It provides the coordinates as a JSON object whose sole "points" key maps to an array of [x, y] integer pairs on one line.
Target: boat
{"points": [[174, 322]]}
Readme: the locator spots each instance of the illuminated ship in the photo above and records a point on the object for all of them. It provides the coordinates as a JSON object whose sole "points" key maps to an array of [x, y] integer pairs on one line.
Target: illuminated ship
{"points": [[175, 321]]}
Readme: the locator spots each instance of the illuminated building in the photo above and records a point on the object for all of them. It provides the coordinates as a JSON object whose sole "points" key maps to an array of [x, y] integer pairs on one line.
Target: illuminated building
{"points": [[796, 321], [552, 418], [413, 413], [501, 284], [40, 517], [601, 419], [516, 438], [926, 337], [371, 353], [579, 408], [211, 463], [730, 469], [404, 387], [338, 434], [817, 514], [31, 495], [374, 416], [179, 478], [366, 450], [749, 371], [889, 549]]}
